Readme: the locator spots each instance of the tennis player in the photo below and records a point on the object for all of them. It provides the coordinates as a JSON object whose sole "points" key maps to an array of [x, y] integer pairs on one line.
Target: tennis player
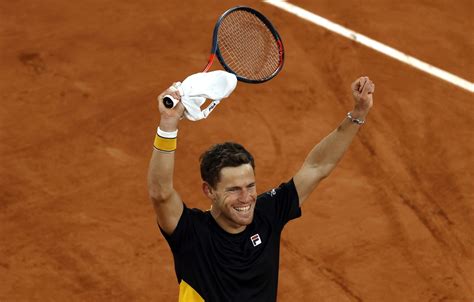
{"points": [[231, 252]]}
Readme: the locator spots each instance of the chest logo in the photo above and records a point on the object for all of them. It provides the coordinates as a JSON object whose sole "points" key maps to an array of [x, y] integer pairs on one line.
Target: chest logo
{"points": [[255, 239]]}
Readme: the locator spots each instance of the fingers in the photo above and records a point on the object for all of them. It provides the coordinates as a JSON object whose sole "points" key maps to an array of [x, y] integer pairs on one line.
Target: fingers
{"points": [[177, 111], [363, 82], [373, 88], [355, 85], [176, 88], [173, 91], [358, 85], [363, 86], [366, 87]]}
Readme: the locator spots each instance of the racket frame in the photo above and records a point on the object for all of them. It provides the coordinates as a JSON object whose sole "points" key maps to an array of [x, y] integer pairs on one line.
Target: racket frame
{"points": [[171, 102], [215, 52]]}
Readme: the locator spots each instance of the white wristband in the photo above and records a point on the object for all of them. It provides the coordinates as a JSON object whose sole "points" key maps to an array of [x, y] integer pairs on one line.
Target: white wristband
{"points": [[166, 134]]}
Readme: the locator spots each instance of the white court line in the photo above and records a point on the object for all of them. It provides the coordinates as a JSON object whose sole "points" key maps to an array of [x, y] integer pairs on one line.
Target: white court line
{"points": [[387, 50]]}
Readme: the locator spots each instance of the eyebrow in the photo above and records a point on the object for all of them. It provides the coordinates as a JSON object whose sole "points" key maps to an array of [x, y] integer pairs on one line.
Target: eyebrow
{"points": [[232, 188], [237, 187]]}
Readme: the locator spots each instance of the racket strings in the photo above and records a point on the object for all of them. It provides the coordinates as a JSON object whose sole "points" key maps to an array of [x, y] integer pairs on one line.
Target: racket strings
{"points": [[248, 46]]}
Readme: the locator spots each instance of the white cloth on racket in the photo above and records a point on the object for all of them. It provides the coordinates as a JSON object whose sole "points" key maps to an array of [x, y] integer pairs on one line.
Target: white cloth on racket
{"points": [[195, 89]]}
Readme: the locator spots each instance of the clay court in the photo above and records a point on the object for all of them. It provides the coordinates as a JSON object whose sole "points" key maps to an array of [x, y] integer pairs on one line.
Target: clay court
{"points": [[78, 83]]}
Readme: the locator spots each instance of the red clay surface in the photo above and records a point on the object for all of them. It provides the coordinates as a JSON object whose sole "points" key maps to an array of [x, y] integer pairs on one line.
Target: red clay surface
{"points": [[78, 84]]}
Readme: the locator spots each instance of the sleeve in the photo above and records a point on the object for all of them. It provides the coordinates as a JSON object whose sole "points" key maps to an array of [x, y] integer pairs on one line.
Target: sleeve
{"points": [[280, 204], [182, 234]]}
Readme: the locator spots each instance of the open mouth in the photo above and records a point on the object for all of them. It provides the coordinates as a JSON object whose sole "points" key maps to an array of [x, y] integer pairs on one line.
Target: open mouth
{"points": [[242, 209]]}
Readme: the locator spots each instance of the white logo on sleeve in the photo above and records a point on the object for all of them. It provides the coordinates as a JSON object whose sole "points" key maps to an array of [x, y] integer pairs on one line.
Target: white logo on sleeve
{"points": [[272, 192], [255, 239]]}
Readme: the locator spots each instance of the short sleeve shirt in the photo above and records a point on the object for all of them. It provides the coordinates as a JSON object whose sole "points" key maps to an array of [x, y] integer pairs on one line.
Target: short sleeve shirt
{"points": [[219, 266]]}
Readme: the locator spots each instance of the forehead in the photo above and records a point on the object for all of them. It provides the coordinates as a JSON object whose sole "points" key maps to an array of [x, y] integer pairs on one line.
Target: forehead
{"points": [[237, 176]]}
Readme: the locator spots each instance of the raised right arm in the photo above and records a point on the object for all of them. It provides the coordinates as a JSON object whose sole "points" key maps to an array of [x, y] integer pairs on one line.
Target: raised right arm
{"points": [[166, 201]]}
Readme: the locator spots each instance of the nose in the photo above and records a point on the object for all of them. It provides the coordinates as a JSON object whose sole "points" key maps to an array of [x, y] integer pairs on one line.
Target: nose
{"points": [[245, 194]]}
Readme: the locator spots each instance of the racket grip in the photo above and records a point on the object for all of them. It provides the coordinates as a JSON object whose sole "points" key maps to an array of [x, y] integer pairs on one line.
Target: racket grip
{"points": [[169, 101]]}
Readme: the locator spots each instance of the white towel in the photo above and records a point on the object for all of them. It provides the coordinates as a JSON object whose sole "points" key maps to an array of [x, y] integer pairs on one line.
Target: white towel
{"points": [[195, 89]]}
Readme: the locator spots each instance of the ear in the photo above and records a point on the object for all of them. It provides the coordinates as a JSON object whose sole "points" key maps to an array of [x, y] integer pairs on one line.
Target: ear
{"points": [[208, 190]]}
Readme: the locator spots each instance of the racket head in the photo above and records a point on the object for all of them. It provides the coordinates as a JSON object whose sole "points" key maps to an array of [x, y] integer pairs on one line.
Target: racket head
{"points": [[248, 45]]}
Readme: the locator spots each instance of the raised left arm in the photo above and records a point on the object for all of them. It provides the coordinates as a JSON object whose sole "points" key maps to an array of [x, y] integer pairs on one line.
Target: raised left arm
{"points": [[323, 158]]}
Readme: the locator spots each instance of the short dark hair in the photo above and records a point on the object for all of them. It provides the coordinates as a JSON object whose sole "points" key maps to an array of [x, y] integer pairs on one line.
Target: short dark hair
{"points": [[223, 155]]}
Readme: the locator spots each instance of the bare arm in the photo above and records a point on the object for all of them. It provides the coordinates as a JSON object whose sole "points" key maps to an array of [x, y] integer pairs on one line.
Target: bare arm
{"points": [[166, 201], [323, 158]]}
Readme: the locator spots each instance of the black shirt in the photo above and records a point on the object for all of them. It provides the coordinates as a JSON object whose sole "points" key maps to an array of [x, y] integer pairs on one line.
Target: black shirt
{"points": [[219, 266]]}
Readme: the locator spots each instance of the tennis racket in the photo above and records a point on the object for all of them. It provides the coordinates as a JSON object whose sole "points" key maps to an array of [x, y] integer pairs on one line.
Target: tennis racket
{"points": [[247, 45]]}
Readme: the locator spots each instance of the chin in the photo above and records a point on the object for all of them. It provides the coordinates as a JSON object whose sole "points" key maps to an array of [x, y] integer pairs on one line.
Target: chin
{"points": [[243, 221]]}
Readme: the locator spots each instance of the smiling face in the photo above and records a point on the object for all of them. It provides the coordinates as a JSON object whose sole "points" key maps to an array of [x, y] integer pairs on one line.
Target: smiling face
{"points": [[233, 198]]}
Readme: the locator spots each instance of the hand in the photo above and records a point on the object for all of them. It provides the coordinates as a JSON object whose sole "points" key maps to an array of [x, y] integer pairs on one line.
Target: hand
{"points": [[170, 116], [362, 91]]}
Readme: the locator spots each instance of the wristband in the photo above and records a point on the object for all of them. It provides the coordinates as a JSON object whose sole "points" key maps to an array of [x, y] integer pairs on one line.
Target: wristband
{"points": [[355, 120], [165, 141], [166, 134]]}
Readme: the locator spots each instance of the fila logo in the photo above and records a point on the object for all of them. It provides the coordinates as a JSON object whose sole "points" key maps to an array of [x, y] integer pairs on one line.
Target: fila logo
{"points": [[255, 239]]}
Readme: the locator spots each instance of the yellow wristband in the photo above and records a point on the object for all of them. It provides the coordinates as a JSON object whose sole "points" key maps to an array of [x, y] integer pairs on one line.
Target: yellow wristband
{"points": [[165, 144]]}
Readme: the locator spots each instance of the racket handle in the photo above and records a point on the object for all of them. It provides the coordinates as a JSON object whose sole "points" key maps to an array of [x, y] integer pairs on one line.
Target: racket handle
{"points": [[169, 101]]}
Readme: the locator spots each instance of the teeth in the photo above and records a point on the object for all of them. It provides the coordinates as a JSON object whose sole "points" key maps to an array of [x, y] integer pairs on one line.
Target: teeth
{"points": [[242, 209]]}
